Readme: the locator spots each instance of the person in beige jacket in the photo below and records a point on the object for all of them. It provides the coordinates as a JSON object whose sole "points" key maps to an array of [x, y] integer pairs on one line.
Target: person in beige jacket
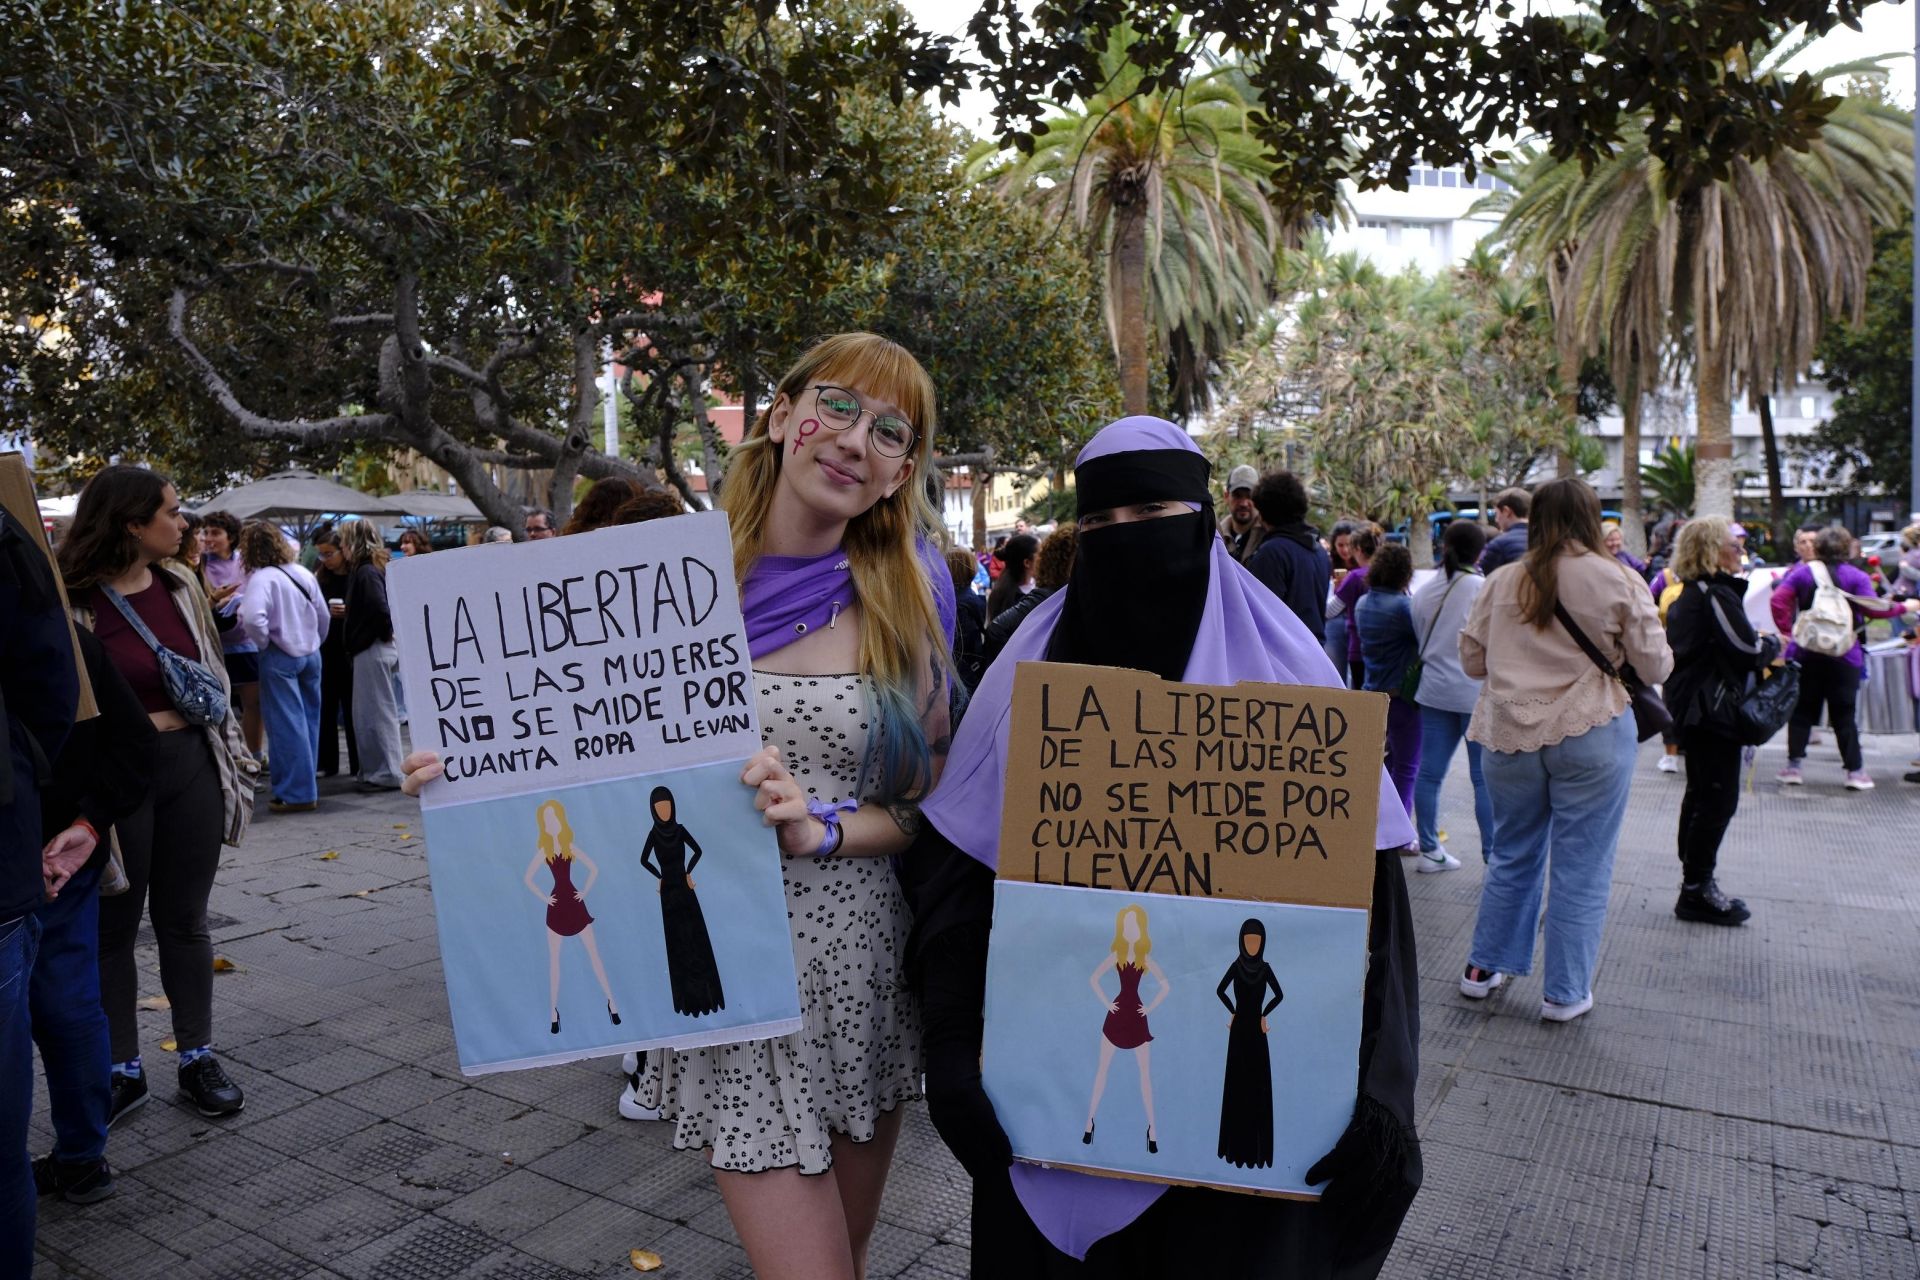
{"points": [[1558, 743]]}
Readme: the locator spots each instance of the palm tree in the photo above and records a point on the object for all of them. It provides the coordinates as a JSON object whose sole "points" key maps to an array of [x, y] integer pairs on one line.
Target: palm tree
{"points": [[1747, 267], [1172, 188]]}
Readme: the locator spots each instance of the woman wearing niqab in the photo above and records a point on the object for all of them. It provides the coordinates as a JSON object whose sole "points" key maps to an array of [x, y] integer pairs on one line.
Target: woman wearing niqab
{"points": [[1246, 1095], [691, 971], [1153, 589]]}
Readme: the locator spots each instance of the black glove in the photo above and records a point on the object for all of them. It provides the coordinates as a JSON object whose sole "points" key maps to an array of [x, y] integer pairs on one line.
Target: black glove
{"points": [[1371, 1173], [953, 988]]}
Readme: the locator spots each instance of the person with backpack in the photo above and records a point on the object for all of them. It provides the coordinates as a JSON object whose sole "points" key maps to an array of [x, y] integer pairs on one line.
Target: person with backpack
{"points": [[1714, 648], [286, 617], [1822, 604]]}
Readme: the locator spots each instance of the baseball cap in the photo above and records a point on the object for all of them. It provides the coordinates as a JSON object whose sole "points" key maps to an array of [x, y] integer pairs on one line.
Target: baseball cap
{"points": [[1242, 477]]}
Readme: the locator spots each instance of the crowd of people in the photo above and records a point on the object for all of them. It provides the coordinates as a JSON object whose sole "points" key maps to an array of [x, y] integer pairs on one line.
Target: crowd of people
{"points": [[222, 656]]}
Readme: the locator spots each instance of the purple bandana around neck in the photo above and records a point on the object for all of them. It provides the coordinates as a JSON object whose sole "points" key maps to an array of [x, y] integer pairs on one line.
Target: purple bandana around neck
{"points": [[785, 597]]}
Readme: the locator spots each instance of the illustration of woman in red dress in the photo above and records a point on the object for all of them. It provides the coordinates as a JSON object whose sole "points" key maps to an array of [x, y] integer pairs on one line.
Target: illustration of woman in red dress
{"points": [[567, 903], [1126, 1024]]}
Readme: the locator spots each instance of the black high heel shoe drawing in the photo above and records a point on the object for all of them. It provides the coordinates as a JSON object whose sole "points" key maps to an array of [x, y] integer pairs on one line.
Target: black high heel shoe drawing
{"points": [[1153, 1148], [555, 1028], [611, 1014], [1087, 1137]]}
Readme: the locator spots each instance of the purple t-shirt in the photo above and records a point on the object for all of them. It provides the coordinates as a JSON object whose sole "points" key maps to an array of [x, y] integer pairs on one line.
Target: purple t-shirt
{"points": [[1348, 593]]}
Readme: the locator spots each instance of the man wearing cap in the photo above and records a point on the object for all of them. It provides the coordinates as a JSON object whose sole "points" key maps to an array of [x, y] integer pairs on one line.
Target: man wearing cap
{"points": [[1241, 525]]}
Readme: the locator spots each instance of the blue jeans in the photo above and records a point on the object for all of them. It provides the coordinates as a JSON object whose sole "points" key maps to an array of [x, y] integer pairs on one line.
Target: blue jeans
{"points": [[1336, 644], [19, 939], [290, 698], [69, 1024], [1565, 801], [1440, 733]]}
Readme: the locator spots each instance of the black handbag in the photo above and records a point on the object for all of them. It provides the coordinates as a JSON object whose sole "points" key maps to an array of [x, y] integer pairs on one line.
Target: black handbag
{"points": [[1650, 715], [1758, 707]]}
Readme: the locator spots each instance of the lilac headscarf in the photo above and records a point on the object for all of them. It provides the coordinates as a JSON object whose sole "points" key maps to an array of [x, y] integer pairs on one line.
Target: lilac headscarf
{"points": [[1246, 633]]}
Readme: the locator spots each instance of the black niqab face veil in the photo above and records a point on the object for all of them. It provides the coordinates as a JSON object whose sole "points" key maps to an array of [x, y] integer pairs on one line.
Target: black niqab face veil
{"points": [[1139, 589]]}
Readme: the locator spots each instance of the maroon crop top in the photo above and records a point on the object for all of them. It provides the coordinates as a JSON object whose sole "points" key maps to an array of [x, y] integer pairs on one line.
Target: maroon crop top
{"points": [[130, 653]]}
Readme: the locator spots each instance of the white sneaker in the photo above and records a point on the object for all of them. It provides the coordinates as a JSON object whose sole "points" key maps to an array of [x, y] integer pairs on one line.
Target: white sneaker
{"points": [[631, 1108], [1565, 1012], [629, 1063], [1669, 764], [1480, 989], [1860, 781], [1437, 859]]}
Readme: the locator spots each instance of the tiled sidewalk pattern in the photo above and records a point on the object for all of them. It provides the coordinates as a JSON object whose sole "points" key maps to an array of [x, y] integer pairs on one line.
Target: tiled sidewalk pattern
{"points": [[1742, 1103]]}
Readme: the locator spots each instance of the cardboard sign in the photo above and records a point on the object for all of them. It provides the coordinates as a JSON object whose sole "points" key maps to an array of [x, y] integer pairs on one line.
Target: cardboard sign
{"points": [[1177, 975], [1120, 780], [601, 655], [601, 878]]}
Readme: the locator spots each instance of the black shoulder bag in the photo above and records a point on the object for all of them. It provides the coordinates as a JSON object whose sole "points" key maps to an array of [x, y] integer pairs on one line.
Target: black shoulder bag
{"points": [[1650, 714]]}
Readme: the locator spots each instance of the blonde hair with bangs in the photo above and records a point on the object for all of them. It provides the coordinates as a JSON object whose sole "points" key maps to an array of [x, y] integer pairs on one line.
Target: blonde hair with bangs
{"points": [[903, 644], [1696, 553]]}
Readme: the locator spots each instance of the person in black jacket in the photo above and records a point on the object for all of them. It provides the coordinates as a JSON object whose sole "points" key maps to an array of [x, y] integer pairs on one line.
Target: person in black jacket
{"points": [[1714, 647], [1291, 563], [39, 690], [1052, 567], [369, 643], [970, 618], [102, 775], [336, 664]]}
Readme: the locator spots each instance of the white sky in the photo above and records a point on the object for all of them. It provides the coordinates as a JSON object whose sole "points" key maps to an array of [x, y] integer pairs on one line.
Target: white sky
{"points": [[1884, 28]]}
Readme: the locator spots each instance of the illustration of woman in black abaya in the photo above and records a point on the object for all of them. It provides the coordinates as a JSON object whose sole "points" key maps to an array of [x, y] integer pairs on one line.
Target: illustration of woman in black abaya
{"points": [[566, 903], [691, 971], [1246, 1099], [1126, 1023]]}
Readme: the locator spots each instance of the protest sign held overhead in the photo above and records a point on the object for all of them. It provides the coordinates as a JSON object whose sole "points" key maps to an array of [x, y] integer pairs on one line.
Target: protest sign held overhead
{"points": [[1184, 881], [602, 879]]}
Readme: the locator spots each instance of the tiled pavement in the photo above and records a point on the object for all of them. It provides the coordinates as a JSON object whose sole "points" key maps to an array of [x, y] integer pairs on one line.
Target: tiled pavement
{"points": [[1742, 1103]]}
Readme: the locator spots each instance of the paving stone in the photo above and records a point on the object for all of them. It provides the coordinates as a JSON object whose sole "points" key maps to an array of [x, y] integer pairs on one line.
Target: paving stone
{"points": [[594, 1235], [329, 1229], [310, 1125], [492, 1123], [509, 1207], [425, 1249], [331, 1072]]}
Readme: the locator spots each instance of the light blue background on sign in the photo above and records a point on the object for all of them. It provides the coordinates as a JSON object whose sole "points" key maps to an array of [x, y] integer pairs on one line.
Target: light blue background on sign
{"points": [[493, 933], [1043, 1031]]}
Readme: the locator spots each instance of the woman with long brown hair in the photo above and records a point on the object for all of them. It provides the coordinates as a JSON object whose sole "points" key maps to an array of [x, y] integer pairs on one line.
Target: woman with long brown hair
{"points": [[1558, 742], [369, 643], [128, 524]]}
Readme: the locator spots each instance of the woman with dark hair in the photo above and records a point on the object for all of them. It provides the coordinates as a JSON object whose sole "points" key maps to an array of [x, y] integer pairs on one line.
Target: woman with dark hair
{"points": [[602, 503], [226, 577], [1153, 589], [336, 664], [970, 618], [369, 644], [1053, 567], [1829, 678], [1016, 577], [1246, 1095], [1341, 557], [1365, 540], [414, 542], [1383, 619], [1447, 694], [691, 971], [127, 524], [286, 618], [1558, 742]]}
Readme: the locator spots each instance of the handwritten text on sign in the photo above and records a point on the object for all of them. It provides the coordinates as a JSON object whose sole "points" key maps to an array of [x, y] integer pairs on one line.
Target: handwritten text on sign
{"points": [[599, 655], [1121, 780]]}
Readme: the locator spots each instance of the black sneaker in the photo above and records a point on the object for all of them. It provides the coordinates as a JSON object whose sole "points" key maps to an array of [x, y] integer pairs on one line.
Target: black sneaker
{"points": [[1707, 905], [85, 1182], [129, 1094], [206, 1085]]}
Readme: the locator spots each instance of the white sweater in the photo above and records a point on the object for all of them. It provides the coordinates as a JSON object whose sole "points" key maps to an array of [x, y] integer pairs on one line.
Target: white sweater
{"points": [[283, 607]]}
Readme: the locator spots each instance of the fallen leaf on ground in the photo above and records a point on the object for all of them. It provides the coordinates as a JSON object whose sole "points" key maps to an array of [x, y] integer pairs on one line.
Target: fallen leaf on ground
{"points": [[156, 1002], [360, 893], [329, 855], [399, 826], [223, 965], [645, 1260], [170, 1044], [406, 835]]}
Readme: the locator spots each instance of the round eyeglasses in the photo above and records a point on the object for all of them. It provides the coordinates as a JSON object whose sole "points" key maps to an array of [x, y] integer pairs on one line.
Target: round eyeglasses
{"points": [[840, 409]]}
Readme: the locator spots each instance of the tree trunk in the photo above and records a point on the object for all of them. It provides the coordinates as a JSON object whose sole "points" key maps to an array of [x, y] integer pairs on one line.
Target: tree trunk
{"points": [[1130, 307], [1570, 410], [1713, 416], [1420, 539], [1776, 497], [1633, 517]]}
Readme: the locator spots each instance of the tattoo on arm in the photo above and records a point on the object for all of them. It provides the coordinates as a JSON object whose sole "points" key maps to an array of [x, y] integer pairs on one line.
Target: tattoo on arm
{"points": [[905, 816]]}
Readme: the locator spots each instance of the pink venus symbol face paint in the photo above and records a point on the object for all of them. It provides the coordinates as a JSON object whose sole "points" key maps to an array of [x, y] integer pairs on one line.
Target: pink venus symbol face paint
{"points": [[808, 427]]}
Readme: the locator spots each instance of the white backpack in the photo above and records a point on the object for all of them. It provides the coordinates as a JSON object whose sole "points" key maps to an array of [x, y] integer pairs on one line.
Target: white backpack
{"points": [[1826, 625]]}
